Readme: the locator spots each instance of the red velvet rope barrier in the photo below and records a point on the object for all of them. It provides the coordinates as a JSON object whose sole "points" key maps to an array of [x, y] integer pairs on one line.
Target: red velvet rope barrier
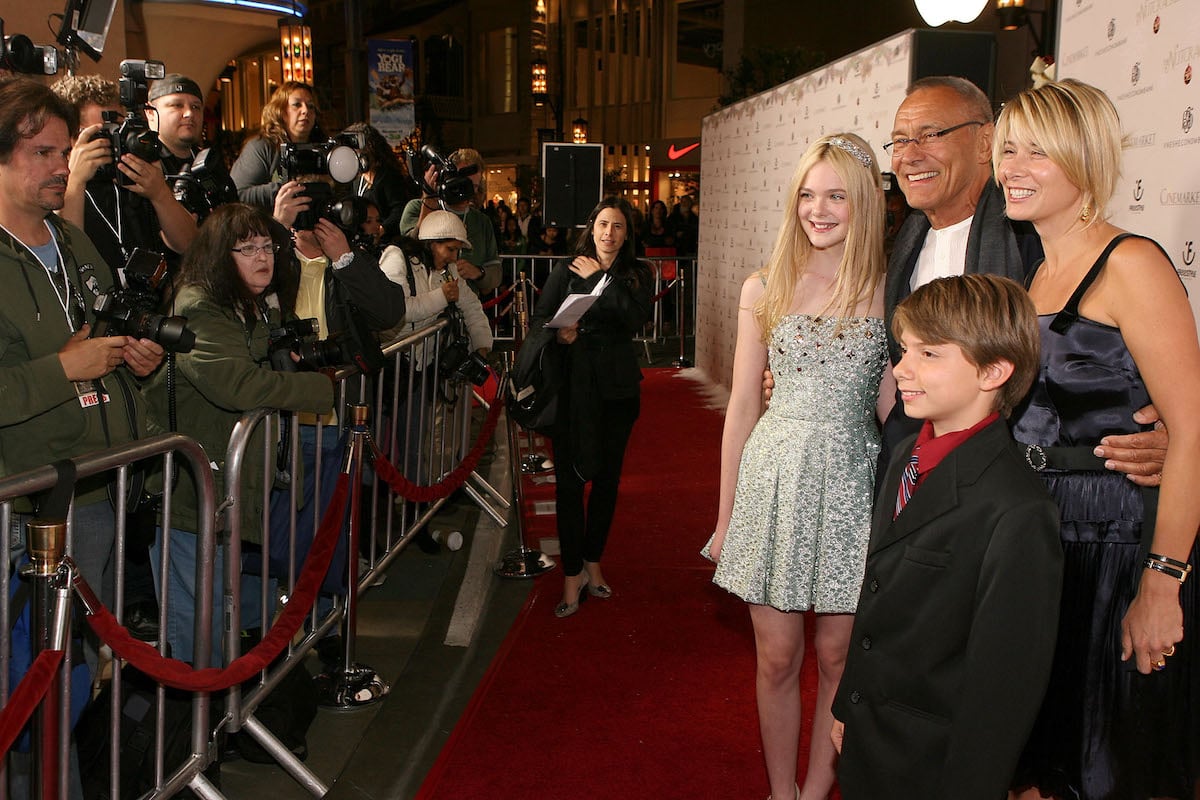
{"points": [[180, 675], [26, 697], [663, 293], [455, 478], [495, 301]]}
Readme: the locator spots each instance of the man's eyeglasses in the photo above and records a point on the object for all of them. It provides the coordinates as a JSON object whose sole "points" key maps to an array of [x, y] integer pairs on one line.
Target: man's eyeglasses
{"points": [[900, 143], [251, 250]]}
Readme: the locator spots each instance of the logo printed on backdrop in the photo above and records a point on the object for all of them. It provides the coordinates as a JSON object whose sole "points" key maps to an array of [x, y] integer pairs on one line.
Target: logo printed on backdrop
{"points": [[1188, 119], [1187, 75], [1168, 198], [1135, 73], [1113, 42], [1157, 22], [1189, 255], [1137, 206]]}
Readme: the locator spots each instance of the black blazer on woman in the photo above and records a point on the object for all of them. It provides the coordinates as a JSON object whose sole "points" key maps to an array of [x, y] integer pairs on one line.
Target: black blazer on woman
{"points": [[602, 364]]}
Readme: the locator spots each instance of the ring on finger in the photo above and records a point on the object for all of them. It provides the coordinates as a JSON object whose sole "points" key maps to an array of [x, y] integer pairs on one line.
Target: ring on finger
{"points": [[1160, 665], [1170, 651]]}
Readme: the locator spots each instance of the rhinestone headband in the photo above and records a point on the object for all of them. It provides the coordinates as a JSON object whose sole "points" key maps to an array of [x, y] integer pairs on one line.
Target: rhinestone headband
{"points": [[850, 147]]}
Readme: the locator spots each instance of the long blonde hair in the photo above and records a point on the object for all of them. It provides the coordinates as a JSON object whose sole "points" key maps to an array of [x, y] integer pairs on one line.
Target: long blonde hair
{"points": [[863, 262]]}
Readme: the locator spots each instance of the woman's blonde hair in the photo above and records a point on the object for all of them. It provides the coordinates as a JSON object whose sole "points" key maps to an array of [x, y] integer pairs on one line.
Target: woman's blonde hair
{"points": [[862, 264], [1078, 129], [273, 113]]}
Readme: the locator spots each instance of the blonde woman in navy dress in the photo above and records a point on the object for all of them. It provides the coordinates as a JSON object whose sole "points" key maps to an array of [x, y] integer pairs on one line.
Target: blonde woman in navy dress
{"points": [[1121, 716], [796, 481]]}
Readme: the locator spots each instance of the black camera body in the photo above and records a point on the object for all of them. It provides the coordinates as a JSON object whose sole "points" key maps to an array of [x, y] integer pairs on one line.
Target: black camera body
{"points": [[458, 361], [299, 336], [133, 309], [204, 184], [338, 159], [453, 183], [131, 135]]}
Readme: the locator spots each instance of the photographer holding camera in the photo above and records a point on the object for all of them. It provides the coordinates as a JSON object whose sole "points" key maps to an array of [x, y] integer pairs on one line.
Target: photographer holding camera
{"points": [[125, 204], [175, 111], [65, 394], [228, 288], [445, 187], [289, 117]]}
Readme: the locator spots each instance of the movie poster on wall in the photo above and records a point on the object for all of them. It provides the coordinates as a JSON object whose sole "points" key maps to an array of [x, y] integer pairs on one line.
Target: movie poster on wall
{"points": [[392, 86], [1142, 53]]}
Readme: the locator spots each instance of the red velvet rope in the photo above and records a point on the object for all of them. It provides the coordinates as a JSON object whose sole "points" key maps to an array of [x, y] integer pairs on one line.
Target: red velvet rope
{"points": [[663, 293], [454, 479], [180, 675], [495, 301], [26, 697]]}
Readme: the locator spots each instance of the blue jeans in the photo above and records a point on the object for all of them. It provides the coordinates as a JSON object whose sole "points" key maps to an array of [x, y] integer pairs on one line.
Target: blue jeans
{"points": [[181, 588]]}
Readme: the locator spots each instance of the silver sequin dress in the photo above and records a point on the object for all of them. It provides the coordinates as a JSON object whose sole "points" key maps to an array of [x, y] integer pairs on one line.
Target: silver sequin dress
{"points": [[802, 508]]}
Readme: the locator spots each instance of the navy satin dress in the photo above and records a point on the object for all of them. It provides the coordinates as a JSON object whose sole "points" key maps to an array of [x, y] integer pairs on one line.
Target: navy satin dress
{"points": [[1105, 731]]}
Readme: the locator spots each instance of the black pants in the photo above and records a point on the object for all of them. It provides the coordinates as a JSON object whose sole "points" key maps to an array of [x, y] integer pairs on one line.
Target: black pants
{"points": [[581, 536]]}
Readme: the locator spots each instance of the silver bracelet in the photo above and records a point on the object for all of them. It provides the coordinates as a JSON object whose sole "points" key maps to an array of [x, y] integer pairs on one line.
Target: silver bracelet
{"points": [[344, 260]]}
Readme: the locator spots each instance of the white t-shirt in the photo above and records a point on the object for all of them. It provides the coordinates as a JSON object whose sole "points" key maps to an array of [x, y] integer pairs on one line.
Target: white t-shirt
{"points": [[943, 255]]}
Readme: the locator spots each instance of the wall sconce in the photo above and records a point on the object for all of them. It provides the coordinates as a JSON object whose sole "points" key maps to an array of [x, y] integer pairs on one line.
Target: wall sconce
{"points": [[540, 84], [295, 47], [1012, 14], [939, 12], [579, 130]]}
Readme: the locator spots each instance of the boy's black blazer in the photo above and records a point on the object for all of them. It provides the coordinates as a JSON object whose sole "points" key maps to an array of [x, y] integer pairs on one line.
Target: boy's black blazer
{"points": [[955, 630]]}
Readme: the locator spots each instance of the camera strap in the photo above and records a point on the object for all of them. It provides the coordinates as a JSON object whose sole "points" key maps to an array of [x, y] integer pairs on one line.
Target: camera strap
{"points": [[118, 230], [64, 302]]}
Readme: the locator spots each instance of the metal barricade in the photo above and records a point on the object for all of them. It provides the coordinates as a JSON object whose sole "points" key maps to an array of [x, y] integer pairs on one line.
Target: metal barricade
{"points": [[422, 425], [682, 316], [168, 778]]}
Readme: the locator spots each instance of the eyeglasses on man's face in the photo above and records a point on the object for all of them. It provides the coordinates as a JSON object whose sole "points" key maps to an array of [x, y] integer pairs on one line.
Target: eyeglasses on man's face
{"points": [[901, 143], [251, 250]]}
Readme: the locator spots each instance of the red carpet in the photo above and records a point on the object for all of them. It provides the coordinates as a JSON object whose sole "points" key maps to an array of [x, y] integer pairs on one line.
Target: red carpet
{"points": [[649, 694]]}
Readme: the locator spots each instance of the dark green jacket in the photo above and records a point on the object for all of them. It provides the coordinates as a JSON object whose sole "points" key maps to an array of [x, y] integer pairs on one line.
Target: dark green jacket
{"points": [[41, 417], [225, 375]]}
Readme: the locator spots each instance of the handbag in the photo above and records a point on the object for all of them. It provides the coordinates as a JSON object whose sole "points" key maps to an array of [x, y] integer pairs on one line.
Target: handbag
{"points": [[532, 400]]}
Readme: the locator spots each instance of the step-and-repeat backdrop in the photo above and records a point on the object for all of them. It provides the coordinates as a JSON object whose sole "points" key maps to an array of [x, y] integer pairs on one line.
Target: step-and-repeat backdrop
{"points": [[750, 151], [1141, 52]]}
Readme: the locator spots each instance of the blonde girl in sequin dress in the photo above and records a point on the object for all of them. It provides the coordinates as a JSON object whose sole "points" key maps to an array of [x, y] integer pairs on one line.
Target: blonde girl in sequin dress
{"points": [[796, 481]]}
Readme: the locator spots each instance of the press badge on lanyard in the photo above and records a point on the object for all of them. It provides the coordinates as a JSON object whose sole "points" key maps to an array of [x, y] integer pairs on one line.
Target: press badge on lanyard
{"points": [[87, 394]]}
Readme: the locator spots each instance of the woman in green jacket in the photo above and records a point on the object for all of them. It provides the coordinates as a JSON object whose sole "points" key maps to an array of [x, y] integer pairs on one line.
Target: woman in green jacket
{"points": [[227, 290]]}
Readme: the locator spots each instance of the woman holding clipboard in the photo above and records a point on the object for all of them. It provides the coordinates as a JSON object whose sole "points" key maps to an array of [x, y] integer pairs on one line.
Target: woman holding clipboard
{"points": [[598, 394]]}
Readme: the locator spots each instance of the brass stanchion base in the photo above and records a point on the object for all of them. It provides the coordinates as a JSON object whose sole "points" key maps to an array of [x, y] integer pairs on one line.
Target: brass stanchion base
{"points": [[345, 689], [681, 363], [523, 563]]}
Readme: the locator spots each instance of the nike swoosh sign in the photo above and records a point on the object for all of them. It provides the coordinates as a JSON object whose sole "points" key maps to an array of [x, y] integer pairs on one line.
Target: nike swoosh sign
{"points": [[674, 153]]}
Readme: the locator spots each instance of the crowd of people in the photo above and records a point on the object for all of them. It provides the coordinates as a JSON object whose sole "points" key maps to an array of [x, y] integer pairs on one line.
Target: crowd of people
{"points": [[947, 434]]}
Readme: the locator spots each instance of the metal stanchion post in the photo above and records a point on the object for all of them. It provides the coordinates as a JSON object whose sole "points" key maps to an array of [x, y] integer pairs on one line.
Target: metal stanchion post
{"points": [[522, 562], [681, 314], [352, 685], [47, 543], [534, 462]]}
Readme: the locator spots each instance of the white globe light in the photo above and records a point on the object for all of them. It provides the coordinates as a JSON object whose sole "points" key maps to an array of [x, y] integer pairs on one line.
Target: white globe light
{"points": [[939, 12]]}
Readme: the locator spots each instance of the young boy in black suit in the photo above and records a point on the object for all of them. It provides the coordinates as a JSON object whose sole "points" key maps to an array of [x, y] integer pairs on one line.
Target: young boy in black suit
{"points": [[956, 621]]}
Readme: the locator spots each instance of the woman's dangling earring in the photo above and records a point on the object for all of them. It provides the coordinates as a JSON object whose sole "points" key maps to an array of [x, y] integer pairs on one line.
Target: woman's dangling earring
{"points": [[1085, 213]]}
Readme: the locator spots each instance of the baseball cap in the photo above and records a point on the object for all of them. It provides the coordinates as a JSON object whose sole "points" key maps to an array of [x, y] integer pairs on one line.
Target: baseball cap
{"points": [[443, 225], [175, 84]]}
